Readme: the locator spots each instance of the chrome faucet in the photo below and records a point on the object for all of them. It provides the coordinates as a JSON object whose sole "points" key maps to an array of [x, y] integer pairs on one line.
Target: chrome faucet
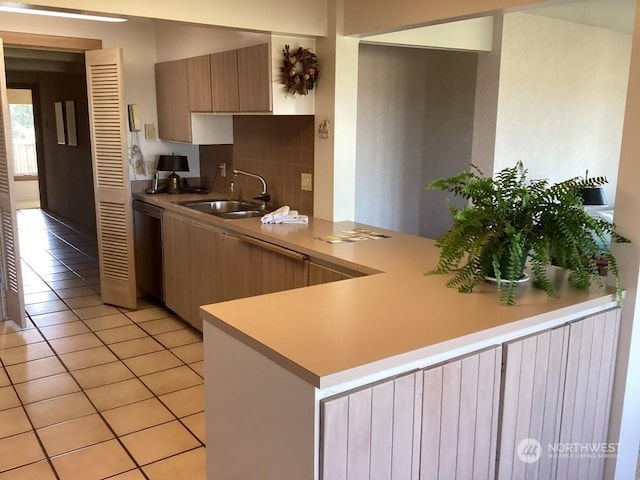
{"points": [[264, 196]]}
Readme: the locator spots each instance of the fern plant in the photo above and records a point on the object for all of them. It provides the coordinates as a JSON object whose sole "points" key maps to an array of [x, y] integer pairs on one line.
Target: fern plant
{"points": [[509, 220]]}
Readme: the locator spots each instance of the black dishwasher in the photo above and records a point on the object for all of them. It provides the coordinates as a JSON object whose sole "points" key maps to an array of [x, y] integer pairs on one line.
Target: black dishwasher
{"points": [[147, 221]]}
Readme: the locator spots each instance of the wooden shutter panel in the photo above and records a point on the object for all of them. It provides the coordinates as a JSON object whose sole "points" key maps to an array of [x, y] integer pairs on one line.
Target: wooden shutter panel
{"points": [[11, 276], [111, 176]]}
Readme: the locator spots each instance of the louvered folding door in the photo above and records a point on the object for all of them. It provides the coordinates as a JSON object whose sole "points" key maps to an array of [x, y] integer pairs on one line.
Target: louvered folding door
{"points": [[11, 275], [111, 176]]}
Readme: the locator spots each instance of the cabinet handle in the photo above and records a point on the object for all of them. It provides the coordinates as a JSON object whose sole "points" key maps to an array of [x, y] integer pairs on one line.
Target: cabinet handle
{"points": [[271, 247]]}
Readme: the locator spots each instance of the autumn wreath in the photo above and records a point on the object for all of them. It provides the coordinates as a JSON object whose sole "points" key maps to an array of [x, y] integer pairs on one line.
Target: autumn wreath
{"points": [[299, 71]]}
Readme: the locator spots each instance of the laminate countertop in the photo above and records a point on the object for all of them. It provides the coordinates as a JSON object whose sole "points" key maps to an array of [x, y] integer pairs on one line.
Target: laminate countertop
{"points": [[390, 320]]}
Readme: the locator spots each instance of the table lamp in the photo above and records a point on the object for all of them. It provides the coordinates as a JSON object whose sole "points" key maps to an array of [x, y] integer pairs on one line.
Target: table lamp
{"points": [[593, 195], [173, 163]]}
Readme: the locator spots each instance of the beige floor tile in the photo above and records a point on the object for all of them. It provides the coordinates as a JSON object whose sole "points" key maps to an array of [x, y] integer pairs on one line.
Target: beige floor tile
{"points": [[179, 337], [121, 334], [35, 471], [74, 434], [54, 318], [191, 465], [17, 339], [102, 375], [84, 301], [59, 409], [75, 343], [108, 321], [8, 398], [94, 462], [95, 311], [36, 288], [4, 379], [25, 353], [185, 402], [13, 421], [118, 394], [148, 314], [130, 475], [189, 353], [159, 442], [137, 416], [47, 387], [40, 297], [198, 367], [11, 327], [88, 358], [43, 367], [153, 362], [133, 348], [80, 291], [171, 380], [19, 450], [66, 284], [64, 330], [46, 307], [196, 424], [163, 325]]}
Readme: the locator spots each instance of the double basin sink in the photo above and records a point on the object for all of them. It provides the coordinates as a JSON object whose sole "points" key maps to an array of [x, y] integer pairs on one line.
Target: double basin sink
{"points": [[230, 209]]}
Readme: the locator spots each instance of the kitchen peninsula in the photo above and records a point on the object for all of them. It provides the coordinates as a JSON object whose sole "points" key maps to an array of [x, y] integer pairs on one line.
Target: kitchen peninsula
{"points": [[394, 373]]}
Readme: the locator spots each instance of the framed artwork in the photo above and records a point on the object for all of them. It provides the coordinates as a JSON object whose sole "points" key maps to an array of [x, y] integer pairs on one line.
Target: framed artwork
{"points": [[60, 123], [70, 120]]}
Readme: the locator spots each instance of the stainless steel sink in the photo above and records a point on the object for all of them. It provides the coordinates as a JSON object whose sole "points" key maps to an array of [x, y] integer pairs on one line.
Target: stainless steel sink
{"points": [[230, 209]]}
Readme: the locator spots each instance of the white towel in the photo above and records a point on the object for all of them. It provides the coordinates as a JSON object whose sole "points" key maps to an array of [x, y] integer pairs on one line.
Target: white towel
{"points": [[276, 215], [298, 219]]}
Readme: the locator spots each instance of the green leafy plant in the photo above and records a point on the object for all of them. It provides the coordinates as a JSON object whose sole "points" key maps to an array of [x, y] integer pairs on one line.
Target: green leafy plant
{"points": [[510, 219]]}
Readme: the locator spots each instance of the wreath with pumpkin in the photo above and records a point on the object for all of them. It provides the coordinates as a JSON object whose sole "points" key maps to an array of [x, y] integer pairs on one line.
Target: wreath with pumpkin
{"points": [[299, 71]]}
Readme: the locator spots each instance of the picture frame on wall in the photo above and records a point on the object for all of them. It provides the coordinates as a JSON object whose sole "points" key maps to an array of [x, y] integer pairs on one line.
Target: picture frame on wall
{"points": [[70, 120], [60, 123]]}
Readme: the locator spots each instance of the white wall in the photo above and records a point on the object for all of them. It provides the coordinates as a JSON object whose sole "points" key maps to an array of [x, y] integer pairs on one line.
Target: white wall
{"points": [[561, 98], [415, 124]]}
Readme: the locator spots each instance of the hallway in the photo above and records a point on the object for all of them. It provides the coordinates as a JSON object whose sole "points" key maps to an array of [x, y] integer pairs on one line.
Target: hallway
{"points": [[88, 390]]}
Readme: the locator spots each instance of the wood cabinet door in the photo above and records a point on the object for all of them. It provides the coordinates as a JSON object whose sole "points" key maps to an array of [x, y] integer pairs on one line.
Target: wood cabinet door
{"points": [[254, 78], [531, 405], [163, 100], [224, 81], [177, 269], [373, 433], [591, 359], [172, 93], [199, 84], [460, 410]]}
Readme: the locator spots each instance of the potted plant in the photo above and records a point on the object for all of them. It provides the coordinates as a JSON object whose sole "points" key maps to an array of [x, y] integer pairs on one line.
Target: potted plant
{"points": [[510, 219]]}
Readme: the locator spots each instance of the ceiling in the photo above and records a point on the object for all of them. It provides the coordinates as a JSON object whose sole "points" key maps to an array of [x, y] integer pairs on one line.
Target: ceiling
{"points": [[610, 14]]}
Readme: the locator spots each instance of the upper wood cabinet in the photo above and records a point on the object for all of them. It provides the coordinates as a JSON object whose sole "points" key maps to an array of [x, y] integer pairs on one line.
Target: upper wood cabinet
{"points": [[236, 81], [254, 78], [224, 81], [172, 94], [199, 83]]}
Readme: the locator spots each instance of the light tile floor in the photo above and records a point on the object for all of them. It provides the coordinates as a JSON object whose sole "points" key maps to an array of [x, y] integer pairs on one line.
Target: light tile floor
{"points": [[91, 391]]}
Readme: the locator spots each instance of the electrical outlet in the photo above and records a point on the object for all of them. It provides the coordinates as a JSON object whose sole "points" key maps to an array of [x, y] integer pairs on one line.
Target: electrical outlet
{"points": [[149, 131], [223, 170], [306, 181]]}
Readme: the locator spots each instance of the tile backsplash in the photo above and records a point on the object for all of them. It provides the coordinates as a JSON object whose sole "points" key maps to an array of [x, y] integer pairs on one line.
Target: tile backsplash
{"points": [[279, 148]]}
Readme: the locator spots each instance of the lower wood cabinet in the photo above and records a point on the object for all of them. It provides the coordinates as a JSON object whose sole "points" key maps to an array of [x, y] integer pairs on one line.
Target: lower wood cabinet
{"points": [[319, 274], [204, 265], [475, 417], [437, 423], [557, 391]]}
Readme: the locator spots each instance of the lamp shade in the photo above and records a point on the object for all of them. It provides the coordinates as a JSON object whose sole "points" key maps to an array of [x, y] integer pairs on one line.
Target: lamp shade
{"points": [[593, 196], [173, 163]]}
